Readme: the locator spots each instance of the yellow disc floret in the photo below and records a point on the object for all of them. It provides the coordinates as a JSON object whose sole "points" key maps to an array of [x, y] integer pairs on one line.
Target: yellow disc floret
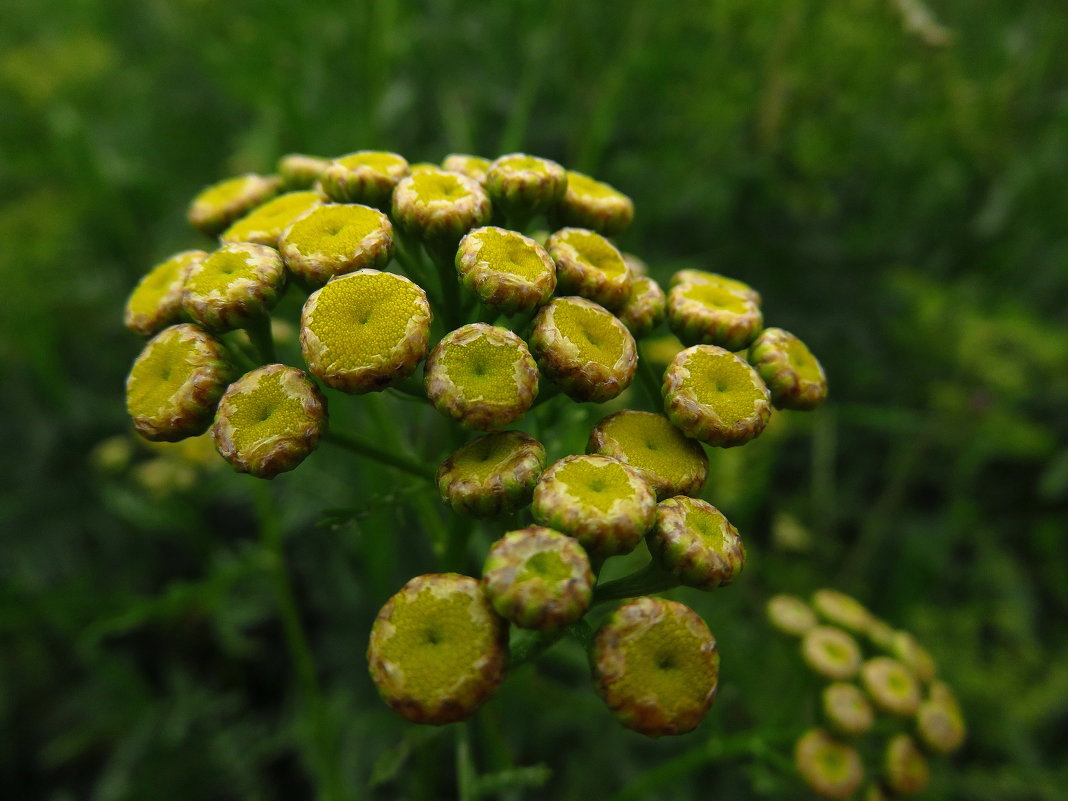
{"points": [[336, 239], [265, 224]]}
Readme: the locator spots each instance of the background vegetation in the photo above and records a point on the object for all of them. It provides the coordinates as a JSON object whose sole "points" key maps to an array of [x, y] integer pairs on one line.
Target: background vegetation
{"points": [[889, 175]]}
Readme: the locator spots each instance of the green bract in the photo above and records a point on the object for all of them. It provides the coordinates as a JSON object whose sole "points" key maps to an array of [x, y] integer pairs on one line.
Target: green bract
{"points": [[233, 286], [696, 543], [714, 396], [794, 376], [265, 224], [538, 578], [492, 475], [644, 309], [589, 265], [831, 652], [440, 207], [601, 502], [846, 709], [593, 204], [366, 176], [505, 269], [301, 171], [269, 420], [905, 766], [481, 376], [365, 331], [831, 768], [891, 685], [713, 314], [586, 351], [522, 186], [790, 615], [157, 301], [656, 666], [672, 463], [222, 203], [334, 240], [437, 649], [176, 382]]}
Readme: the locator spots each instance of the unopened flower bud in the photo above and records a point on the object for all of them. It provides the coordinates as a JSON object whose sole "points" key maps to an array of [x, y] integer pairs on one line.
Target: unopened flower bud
{"points": [[644, 309], [492, 475], [157, 301], [604, 504], [846, 709], [913, 655], [594, 204], [471, 166], [842, 610], [234, 286], [265, 224], [656, 666], [705, 277], [269, 420], [366, 176], [831, 652], [713, 314], [522, 186], [437, 649], [714, 396], [538, 578], [365, 331], [481, 376], [672, 463], [589, 265], [300, 171], [794, 376], [336, 239], [891, 685], [696, 543], [176, 382], [220, 204], [440, 207], [905, 766], [790, 615], [506, 270], [831, 768], [586, 351]]}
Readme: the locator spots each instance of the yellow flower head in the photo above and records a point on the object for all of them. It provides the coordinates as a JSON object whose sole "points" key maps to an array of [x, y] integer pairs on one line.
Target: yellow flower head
{"points": [[589, 203], [366, 176], [505, 269], [156, 302], [589, 265], [222, 203], [493, 474], [336, 239]]}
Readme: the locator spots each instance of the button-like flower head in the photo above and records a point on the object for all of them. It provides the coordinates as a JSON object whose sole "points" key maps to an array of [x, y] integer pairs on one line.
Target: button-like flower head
{"points": [[644, 309], [913, 655], [492, 475], [705, 277], [301, 171], [594, 204], [366, 176], [656, 666], [790, 615], [583, 349], [233, 286], [522, 186], [714, 396], [842, 610], [589, 265], [696, 543], [156, 302], [505, 269], [905, 766], [472, 166], [831, 768], [940, 722], [264, 225], [176, 382], [713, 314], [846, 709], [538, 578], [222, 203], [334, 240], [891, 685], [269, 420], [437, 649], [794, 376], [365, 331], [831, 652], [440, 207], [481, 376]]}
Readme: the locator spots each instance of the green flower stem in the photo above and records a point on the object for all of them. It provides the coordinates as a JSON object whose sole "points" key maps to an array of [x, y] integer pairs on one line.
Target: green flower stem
{"points": [[259, 333], [406, 252], [546, 392], [450, 286], [466, 774], [647, 375], [364, 447], [412, 387], [649, 580], [532, 644], [459, 532], [323, 757], [241, 354]]}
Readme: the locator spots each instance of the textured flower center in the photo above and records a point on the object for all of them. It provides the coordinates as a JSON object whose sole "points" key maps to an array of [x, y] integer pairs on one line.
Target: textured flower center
{"points": [[708, 526], [508, 252], [717, 296], [483, 370], [274, 215], [335, 229], [161, 371], [652, 443], [157, 284], [596, 333], [801, 359], [547, 566], [722, 382], [596, 251], [596, 485], [227, 191], [665, 662], [431, 187], [264, 411], [380, 161], [585, 186], [220, 270], [486, 456]]}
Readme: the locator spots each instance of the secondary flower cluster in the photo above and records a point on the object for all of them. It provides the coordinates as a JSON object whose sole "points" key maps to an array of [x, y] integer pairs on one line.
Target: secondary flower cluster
{"points": [[871, 670], [501, 279]]}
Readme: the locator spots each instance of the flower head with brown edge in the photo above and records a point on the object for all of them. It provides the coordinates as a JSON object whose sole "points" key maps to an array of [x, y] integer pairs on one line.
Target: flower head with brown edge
{"points": [[365, 331], [695, 542], [538, 578], [336, 239], [265, 224], [176, 382], [842, 610], [913, 655], [366, 176], [790, 615], [522, 186], [846, 709], [481, 376], [440, 207], [269, 420], [830, 767], [594, 204], [156, 302], [492, 475], [604, 504], [589, 265], [671, 462], [715, 397], [712, 314], [301, 171], [794, 376], [940, 724], [438, 650], [506, 270], [233, 286], [644, 309], [656, 666], [472, 166], [705, 277], [831, 652], [905, 766], [891, 685], [220, 204], [585, 350]]}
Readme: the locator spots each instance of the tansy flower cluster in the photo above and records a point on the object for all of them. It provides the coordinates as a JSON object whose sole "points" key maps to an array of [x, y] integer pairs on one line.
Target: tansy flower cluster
{"points": [[884, 710], [483, 288]]}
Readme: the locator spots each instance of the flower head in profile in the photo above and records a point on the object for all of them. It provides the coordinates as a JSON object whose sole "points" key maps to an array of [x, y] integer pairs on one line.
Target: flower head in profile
{"points": [[493, 474], [472, 166], [790, 615], [156, 302], [264, 225], [644, 308], [713, 314], [367, 177], [794, 376], [830, 767], [589, 203], [590, 266], [522, 186], [220, 204], [695, 542], [905, 766], [300, 171], [846, 709], [842, 610], [234, 286]]}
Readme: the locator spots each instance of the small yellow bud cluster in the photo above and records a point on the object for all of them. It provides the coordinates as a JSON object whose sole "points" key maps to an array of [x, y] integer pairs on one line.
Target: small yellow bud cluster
{"points": [[872, 671]]}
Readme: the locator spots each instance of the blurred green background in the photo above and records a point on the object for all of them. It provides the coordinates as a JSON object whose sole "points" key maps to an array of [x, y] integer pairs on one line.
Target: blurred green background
{"points": [[890, 175]]}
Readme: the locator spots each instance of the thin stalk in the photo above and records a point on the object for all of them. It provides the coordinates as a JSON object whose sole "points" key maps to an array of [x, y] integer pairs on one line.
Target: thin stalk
{"points": [[545, 395], [363, 447], [450, 287], [647, 375], [259, 333], [649, 580], [466, 774]]}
